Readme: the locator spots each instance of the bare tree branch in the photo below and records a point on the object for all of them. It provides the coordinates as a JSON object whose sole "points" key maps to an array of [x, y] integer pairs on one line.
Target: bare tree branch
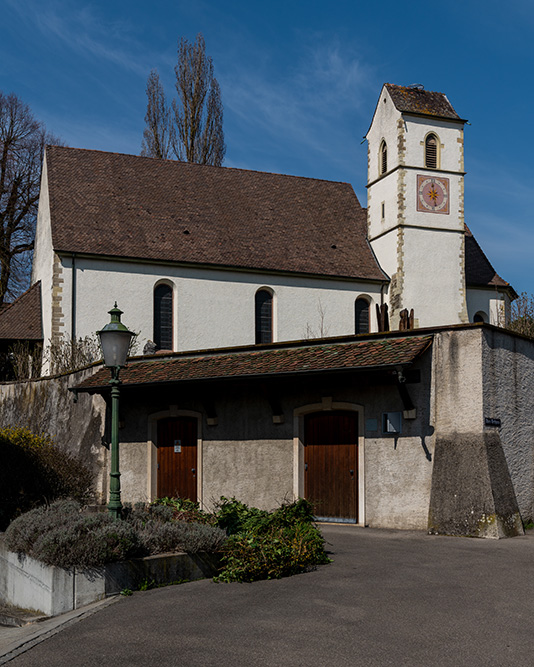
{"points": [[159, 130], [198, 111], [522, 315], [193, 130], [22, 142]]}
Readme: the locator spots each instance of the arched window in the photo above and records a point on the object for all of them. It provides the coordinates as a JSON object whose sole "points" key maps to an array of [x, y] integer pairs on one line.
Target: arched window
{"points": [[264, 316], [383, 158], [431, 151], [480, 317], [163, 317], [361, 312]]}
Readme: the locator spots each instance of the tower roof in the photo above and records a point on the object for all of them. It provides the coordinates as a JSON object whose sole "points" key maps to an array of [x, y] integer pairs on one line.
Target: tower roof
{"points": [[409, 99]]}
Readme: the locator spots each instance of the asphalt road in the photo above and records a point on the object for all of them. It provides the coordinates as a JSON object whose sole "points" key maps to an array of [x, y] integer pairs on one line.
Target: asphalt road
{"points": [[389, 598]]}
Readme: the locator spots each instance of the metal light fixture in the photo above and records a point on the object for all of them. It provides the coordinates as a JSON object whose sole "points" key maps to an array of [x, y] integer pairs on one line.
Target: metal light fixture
{"points": [[115, 341]]}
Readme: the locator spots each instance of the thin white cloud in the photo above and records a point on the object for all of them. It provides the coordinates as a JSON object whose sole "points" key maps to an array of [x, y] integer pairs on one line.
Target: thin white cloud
{"points": [[304, 107], [78, 28]]}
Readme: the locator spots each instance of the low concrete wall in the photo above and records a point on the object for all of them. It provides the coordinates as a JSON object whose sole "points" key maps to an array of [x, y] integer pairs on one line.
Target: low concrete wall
{"points": [[30, 584]]}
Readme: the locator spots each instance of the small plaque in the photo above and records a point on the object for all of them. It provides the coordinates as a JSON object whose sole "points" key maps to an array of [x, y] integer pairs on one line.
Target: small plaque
{"points": [[177, 446], [492, 421]]}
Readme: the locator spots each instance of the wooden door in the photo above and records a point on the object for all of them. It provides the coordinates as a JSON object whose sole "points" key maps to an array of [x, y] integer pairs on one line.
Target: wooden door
{"points": [[330, 464], [177, 457]]}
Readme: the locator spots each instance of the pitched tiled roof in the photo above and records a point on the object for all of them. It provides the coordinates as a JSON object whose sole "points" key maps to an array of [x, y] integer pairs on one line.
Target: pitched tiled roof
{"points": [[478, 270], [413, 100], [268, 362], [21, 320], [164, 210]]}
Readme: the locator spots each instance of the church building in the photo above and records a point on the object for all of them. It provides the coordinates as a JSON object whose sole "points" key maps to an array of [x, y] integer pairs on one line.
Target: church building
{"points": [[204, 257], [294, 343]]}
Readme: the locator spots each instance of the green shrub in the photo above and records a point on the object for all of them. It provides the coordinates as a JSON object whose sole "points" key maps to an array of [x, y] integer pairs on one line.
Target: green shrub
{"points": [[234, 516], [91, 541], [34, 470], [161, 529], [23, 532], [269, 545], [61, 535], [185, 510], [157, 537]]}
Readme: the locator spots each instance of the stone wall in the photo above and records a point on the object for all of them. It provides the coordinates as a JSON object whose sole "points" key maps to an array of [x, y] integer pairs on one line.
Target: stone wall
{"points": [[46, 406], [508, 395], [472, 488]]}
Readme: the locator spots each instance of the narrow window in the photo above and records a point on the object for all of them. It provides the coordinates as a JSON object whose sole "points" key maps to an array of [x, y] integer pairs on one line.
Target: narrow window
{"points": [[383, 211], [480, 317], [362, 316], [431, 152], [383, 158], [163, 317], [264, 316]]}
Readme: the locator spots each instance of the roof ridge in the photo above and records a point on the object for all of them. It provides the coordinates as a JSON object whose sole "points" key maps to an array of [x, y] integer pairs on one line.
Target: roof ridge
{"points": [[423, 90], [195, 165]]}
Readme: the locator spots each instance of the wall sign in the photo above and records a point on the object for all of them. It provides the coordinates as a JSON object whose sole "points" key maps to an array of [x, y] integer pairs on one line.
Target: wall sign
{"points": [[177, 446], [491, 421]]}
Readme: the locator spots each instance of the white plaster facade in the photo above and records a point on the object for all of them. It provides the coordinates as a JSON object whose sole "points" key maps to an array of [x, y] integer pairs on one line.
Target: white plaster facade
{"points": [[212, 308]]}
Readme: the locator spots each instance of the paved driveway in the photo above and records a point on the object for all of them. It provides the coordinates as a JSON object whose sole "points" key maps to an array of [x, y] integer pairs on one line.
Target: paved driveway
{"points": [[389, 598]]}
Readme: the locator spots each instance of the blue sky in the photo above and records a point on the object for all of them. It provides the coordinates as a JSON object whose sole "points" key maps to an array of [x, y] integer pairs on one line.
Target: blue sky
{"points": [[299, 81]]}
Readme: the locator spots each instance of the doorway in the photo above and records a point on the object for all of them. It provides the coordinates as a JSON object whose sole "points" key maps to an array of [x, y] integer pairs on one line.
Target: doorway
{"points": [[331, 464], [177, 457]]}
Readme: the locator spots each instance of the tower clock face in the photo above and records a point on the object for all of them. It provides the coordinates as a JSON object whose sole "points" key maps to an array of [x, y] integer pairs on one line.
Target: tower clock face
{"points": [[432, 194]]}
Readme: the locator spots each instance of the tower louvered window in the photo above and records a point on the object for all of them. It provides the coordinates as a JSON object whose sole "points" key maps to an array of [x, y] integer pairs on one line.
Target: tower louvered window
{"points": [[163, 317], [431, 151], [361, 316], [383, 157], [264, 316]]}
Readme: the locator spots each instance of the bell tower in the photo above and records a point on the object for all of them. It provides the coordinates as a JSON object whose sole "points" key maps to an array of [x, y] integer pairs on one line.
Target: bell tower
{"points": [[415, 203]]}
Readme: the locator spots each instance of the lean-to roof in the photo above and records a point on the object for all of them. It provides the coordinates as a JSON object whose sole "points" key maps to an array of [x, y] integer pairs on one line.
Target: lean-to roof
{"points": [[21, 320]]}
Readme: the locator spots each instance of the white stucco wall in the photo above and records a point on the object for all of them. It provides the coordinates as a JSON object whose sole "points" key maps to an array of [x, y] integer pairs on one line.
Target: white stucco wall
{"points": [[448, 133], [491, 302], [383, 127], [43, 255], [433, 284], [212, 308]]}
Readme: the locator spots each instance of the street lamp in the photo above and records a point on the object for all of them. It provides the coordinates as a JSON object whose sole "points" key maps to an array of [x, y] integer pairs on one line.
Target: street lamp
{"points": [[115, 342]]}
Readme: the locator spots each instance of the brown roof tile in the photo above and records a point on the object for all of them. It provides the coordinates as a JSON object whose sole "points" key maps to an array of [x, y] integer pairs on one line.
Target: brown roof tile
{"points": [[267, 362], [478, 270], [21, 320], [426, 102], [163, 210]]}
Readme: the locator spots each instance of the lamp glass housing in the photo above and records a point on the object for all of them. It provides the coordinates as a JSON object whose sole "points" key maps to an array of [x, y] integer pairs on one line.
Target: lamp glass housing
{"points": [[115, 340]]}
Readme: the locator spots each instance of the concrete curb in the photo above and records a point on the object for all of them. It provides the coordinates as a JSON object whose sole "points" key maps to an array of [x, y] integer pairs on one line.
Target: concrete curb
{"points": [[32, 634]]}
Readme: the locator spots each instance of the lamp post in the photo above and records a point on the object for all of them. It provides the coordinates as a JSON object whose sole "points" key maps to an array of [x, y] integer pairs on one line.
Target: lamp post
{"points": [[115, 342]]}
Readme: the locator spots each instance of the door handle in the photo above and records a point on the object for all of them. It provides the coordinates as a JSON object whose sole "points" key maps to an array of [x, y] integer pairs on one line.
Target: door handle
{"points": [[305, 466], [193, 470], [352, 472]]}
